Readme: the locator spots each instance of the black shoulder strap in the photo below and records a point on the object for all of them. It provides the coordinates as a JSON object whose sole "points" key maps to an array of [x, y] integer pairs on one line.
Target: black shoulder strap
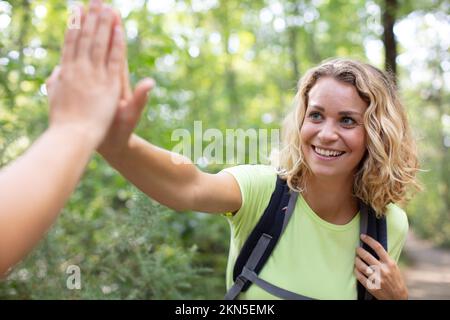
{"points": [[377, 229], [271, 224]]}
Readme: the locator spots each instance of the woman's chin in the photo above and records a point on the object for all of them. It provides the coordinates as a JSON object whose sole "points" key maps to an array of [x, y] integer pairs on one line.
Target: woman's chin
{"points": [[328, 173]]}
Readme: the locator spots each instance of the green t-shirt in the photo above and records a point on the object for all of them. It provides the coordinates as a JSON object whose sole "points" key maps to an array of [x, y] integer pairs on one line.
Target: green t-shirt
{"points": [[314, 258]]}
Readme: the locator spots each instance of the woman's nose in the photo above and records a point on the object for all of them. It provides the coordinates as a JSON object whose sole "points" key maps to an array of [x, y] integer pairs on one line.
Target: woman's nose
{"points": [[328, 132]]}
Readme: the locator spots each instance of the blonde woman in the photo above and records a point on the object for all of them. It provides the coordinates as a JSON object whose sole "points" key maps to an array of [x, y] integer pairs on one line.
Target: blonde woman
{"points": [[346, 141]]}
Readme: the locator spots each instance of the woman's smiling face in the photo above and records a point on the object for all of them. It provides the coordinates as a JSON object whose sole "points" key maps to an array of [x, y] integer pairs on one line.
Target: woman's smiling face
{"points": [[333, 136]]}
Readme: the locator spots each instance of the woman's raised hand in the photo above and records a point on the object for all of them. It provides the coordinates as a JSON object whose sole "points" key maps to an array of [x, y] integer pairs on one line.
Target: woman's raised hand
{"points": [[84, 91], [128, 112]]}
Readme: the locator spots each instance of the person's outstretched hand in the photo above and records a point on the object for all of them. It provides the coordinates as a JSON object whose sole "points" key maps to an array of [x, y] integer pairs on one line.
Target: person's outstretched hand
{"points": [[128, 112], [83, 94], [84, 91]]}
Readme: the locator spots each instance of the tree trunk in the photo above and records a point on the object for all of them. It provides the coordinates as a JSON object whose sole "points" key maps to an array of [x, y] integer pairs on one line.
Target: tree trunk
{"points": [[231, 89], [390, 44]]}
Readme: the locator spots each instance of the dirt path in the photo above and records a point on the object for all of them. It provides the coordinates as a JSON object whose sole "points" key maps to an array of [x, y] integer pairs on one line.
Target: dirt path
{"points": [[428, 276]]}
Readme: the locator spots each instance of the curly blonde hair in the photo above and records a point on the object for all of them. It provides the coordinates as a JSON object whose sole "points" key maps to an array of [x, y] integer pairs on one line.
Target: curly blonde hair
{"points": [[390, 163]]}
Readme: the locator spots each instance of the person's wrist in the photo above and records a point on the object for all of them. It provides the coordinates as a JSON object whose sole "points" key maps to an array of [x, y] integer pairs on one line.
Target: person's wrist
{"points": [[112, 151], [82, 132]]}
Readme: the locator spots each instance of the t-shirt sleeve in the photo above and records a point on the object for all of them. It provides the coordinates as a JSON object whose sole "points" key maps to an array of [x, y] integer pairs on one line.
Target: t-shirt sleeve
{"points": [[397, 224], [256, 183]]}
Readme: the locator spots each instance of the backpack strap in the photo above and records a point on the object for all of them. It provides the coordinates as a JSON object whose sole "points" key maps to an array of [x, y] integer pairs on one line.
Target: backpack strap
{"points": [[375, 228], [270, 223], [248, 274], [263, 238]]}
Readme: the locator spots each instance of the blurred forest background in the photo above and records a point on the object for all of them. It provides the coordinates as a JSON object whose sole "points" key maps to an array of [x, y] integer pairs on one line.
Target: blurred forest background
{"points": [[229, 63]]}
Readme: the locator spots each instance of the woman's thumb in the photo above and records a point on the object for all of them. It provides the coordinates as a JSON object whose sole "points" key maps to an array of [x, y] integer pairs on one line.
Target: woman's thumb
{"points": [[141, 91], [52, 78]]}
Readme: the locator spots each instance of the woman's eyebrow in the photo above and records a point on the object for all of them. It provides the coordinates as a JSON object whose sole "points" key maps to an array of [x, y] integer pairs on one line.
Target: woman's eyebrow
{"points": [[349, 113], [341, 113]]}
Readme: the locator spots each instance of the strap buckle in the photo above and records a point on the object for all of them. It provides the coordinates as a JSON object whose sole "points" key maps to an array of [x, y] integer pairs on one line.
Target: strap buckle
{"points": [[241, 280]]}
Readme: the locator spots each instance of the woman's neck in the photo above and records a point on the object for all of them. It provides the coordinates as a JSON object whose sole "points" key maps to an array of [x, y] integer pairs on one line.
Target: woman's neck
{"points": [[332, 200]]}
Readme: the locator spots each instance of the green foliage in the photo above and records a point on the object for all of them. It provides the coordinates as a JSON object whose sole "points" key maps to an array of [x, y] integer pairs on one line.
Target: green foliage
{"points": [[133, 254], [233, 64], [430, 210]]}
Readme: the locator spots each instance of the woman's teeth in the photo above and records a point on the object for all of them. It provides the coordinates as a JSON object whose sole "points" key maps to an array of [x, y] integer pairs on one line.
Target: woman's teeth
{"points": [[328, 153]]}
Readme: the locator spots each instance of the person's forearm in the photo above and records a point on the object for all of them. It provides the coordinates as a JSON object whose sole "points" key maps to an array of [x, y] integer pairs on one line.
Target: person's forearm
{"points": [[34, 188], [165, 176]]}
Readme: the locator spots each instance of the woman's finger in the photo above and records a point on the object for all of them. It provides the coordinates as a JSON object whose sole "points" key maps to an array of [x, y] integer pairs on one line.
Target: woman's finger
{"points": [[126, 93], [71, 39], [51, 79], [376, 246], [367, 257], [361, 277], [88, 30], [53, 76], [117, 53], [100, 45], [140, 96], [363, 267]]}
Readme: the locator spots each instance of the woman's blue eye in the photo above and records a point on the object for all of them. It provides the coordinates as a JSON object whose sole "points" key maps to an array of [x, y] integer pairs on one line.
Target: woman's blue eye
{"points": [[315, 116], [347, 121]]}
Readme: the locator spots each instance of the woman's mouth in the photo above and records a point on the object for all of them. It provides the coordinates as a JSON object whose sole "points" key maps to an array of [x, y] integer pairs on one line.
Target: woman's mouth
{"points": [[327, 153]]}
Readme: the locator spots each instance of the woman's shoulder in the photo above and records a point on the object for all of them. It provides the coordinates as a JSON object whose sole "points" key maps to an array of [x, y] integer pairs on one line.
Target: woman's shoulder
{"points": [[256, 183], [253, 175], [396, 217], [397, 229]]}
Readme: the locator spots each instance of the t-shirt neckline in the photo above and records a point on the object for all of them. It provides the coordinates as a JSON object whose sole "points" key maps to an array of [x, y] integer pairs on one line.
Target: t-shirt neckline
{"points": [[337, 227]]}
